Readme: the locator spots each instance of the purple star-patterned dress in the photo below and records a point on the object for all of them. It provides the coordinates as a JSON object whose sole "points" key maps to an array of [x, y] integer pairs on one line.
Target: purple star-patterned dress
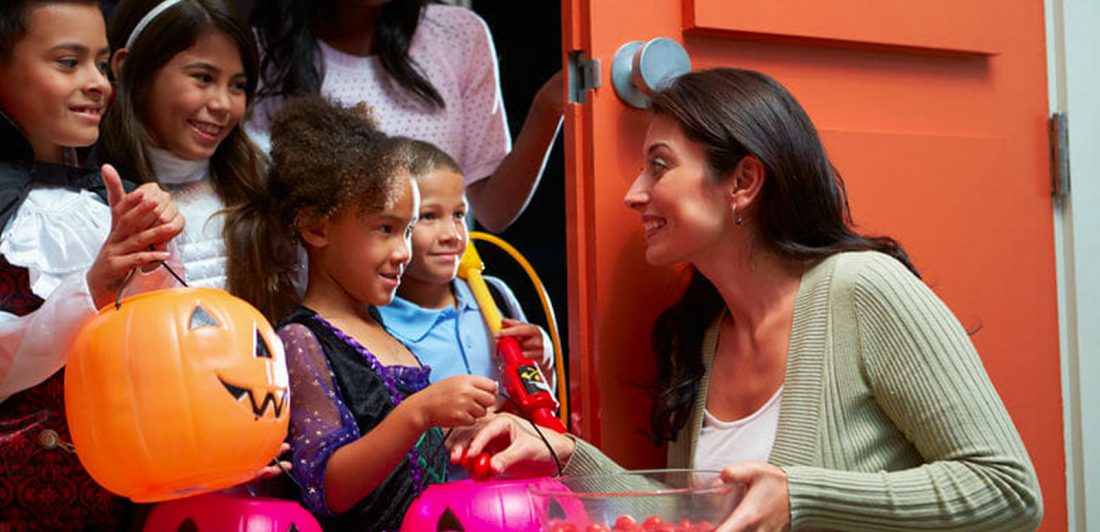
{"points": [[339, 391]]}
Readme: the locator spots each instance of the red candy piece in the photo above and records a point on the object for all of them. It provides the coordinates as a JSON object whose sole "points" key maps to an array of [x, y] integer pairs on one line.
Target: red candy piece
{"points": [[625, 522], [656, 524], [597, 527], [482, 468], [562, 526]]}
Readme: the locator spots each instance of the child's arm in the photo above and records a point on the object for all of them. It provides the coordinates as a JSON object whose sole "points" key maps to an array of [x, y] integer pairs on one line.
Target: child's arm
{"points": [[320, 422], [500, 198], [36, 345], [358, 468]]}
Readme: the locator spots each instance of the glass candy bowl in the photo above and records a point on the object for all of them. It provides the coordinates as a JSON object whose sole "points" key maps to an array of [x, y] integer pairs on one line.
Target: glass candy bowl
{"points": [[661, 499]]}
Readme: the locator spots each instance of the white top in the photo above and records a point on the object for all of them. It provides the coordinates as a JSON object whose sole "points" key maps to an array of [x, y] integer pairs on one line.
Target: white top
{"points": [[454, 50], [749, 439], [56, 235], [201, 244]]}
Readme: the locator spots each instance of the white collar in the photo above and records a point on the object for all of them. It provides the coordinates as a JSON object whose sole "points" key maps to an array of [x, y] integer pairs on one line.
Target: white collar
{"points": [[170, 169]]}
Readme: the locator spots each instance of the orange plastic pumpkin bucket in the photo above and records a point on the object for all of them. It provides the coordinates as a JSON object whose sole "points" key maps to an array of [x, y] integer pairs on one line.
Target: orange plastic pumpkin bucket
{"points": [[176, 392]]}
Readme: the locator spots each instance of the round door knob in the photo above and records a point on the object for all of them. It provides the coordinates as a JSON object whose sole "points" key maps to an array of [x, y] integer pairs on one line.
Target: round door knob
{"points": [[639, 69]]}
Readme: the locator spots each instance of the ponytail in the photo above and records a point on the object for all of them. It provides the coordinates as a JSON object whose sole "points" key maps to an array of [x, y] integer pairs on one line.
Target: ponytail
{"points": [[263, 256]]}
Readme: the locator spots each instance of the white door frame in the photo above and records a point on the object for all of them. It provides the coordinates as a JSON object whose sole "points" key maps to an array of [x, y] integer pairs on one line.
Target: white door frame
{"points": [[1073, 65]]}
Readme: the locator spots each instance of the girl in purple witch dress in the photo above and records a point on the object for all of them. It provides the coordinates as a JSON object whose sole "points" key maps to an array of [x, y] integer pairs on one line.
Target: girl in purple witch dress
{"points": [[365, 423]]}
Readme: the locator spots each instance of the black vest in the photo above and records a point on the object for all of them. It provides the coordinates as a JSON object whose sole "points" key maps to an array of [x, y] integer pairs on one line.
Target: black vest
{"points": [[365, 395]]}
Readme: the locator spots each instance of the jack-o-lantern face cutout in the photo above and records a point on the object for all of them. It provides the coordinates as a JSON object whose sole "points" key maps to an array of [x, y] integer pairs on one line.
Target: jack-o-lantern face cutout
{"points": [[256, 399], [495, 506], [177, 392], [215, 512]]}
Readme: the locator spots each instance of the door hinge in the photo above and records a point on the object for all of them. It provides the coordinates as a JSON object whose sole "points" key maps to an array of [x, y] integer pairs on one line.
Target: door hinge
{"points": [[584, 75], [1059, 155]]}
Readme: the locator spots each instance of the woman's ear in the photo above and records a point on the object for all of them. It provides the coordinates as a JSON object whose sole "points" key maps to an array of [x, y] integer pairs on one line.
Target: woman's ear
{"points": [[313, 229], [747, 182], [117, 59]]}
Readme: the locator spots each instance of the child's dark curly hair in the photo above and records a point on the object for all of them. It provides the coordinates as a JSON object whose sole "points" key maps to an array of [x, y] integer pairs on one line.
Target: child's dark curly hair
{"points": [[325, 157]]}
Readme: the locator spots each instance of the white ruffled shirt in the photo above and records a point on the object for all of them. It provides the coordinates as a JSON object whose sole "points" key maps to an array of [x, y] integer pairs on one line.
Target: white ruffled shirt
{"points": [[201, 245], [56, 235]]}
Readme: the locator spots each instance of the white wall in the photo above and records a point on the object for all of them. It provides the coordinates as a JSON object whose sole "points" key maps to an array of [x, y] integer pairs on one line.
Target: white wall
{"points": [[1073, 51]]}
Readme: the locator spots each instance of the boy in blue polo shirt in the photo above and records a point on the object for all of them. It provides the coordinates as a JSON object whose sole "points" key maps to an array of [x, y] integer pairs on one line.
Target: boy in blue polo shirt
{"points": [[435, 313]]}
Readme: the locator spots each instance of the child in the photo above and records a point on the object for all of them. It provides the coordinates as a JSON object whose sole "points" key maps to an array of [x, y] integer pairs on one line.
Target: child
{"points": [[186, 72], [435, 313], [364, 417], [70, 237]]}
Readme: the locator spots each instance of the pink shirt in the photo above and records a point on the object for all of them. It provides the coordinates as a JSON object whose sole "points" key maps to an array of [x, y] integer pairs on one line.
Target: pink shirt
{"points": [[454, 50]]}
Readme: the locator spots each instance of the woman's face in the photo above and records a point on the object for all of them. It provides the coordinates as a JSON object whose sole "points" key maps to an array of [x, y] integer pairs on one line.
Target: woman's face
{"points": [[685, 215], [197, 98], [439, 238]]}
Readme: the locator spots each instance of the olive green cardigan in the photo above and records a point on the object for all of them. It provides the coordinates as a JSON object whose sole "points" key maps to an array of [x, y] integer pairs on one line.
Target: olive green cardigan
{"points": [[888, 419]]}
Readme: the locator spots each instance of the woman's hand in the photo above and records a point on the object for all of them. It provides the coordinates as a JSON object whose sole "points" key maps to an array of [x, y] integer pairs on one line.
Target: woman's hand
{"points": [[142, 223], [455, 401], [766, 504], [529, 337], [516, 448]]}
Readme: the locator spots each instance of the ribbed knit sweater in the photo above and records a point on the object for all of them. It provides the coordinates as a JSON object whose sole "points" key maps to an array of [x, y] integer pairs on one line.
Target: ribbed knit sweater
{"points": [[888, 420]]}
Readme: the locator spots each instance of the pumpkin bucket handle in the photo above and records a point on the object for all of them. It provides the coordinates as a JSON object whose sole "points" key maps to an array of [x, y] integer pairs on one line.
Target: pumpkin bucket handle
{"points": [[130, 276]]}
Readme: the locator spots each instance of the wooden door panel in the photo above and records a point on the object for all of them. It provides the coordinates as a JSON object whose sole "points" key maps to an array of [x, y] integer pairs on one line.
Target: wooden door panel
{"points": [[945, 26]]}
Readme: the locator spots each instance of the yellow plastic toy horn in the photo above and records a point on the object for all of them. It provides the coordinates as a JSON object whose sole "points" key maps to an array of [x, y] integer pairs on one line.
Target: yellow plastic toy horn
{"points": [[470, 267]]}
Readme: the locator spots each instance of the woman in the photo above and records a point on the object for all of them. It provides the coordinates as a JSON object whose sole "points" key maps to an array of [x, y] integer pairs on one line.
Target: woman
{"points": [[427, 71], [805, 361]]}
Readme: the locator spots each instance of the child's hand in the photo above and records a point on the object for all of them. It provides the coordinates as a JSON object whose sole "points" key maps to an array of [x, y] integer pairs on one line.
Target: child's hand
{"points": [[273, 470], [529, 337], [142, 223], [455, 401]]}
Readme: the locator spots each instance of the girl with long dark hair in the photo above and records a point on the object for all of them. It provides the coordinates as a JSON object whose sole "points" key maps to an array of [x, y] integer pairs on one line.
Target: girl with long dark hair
{"points": [[186, 71]]}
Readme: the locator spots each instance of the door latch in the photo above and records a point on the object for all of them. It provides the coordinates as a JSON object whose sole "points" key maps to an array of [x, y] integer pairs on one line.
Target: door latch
{"points": [[584, 75]]}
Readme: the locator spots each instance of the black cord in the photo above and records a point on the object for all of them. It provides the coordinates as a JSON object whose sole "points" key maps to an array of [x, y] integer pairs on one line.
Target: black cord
{"points": [[279, 465], [557, 461], [174, 274], [125, 281], [435, 453], [130, 276]]}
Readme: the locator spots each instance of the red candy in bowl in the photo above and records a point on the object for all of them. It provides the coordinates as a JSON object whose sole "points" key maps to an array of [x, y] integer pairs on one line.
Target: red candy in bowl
{"points": [[672, 500]]}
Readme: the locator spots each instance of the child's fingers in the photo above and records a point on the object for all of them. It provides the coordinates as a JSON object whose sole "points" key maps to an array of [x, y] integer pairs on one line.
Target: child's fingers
{"points": [[143, 240], [138, 259], [485, 399], [131, 216], [484, 384], [113, 182]]}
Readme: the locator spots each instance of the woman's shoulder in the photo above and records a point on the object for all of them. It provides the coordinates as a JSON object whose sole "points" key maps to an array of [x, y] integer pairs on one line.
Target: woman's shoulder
{"points": [[458, 28], [860, 268], [453, 16]]}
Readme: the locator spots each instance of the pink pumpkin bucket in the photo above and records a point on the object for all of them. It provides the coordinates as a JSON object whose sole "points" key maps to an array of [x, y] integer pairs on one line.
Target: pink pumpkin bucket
{"points": [[221, 512], [497, 505]]}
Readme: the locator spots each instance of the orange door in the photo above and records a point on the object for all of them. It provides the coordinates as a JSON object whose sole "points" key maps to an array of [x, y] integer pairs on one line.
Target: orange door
{"points": [[934, 112]]}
